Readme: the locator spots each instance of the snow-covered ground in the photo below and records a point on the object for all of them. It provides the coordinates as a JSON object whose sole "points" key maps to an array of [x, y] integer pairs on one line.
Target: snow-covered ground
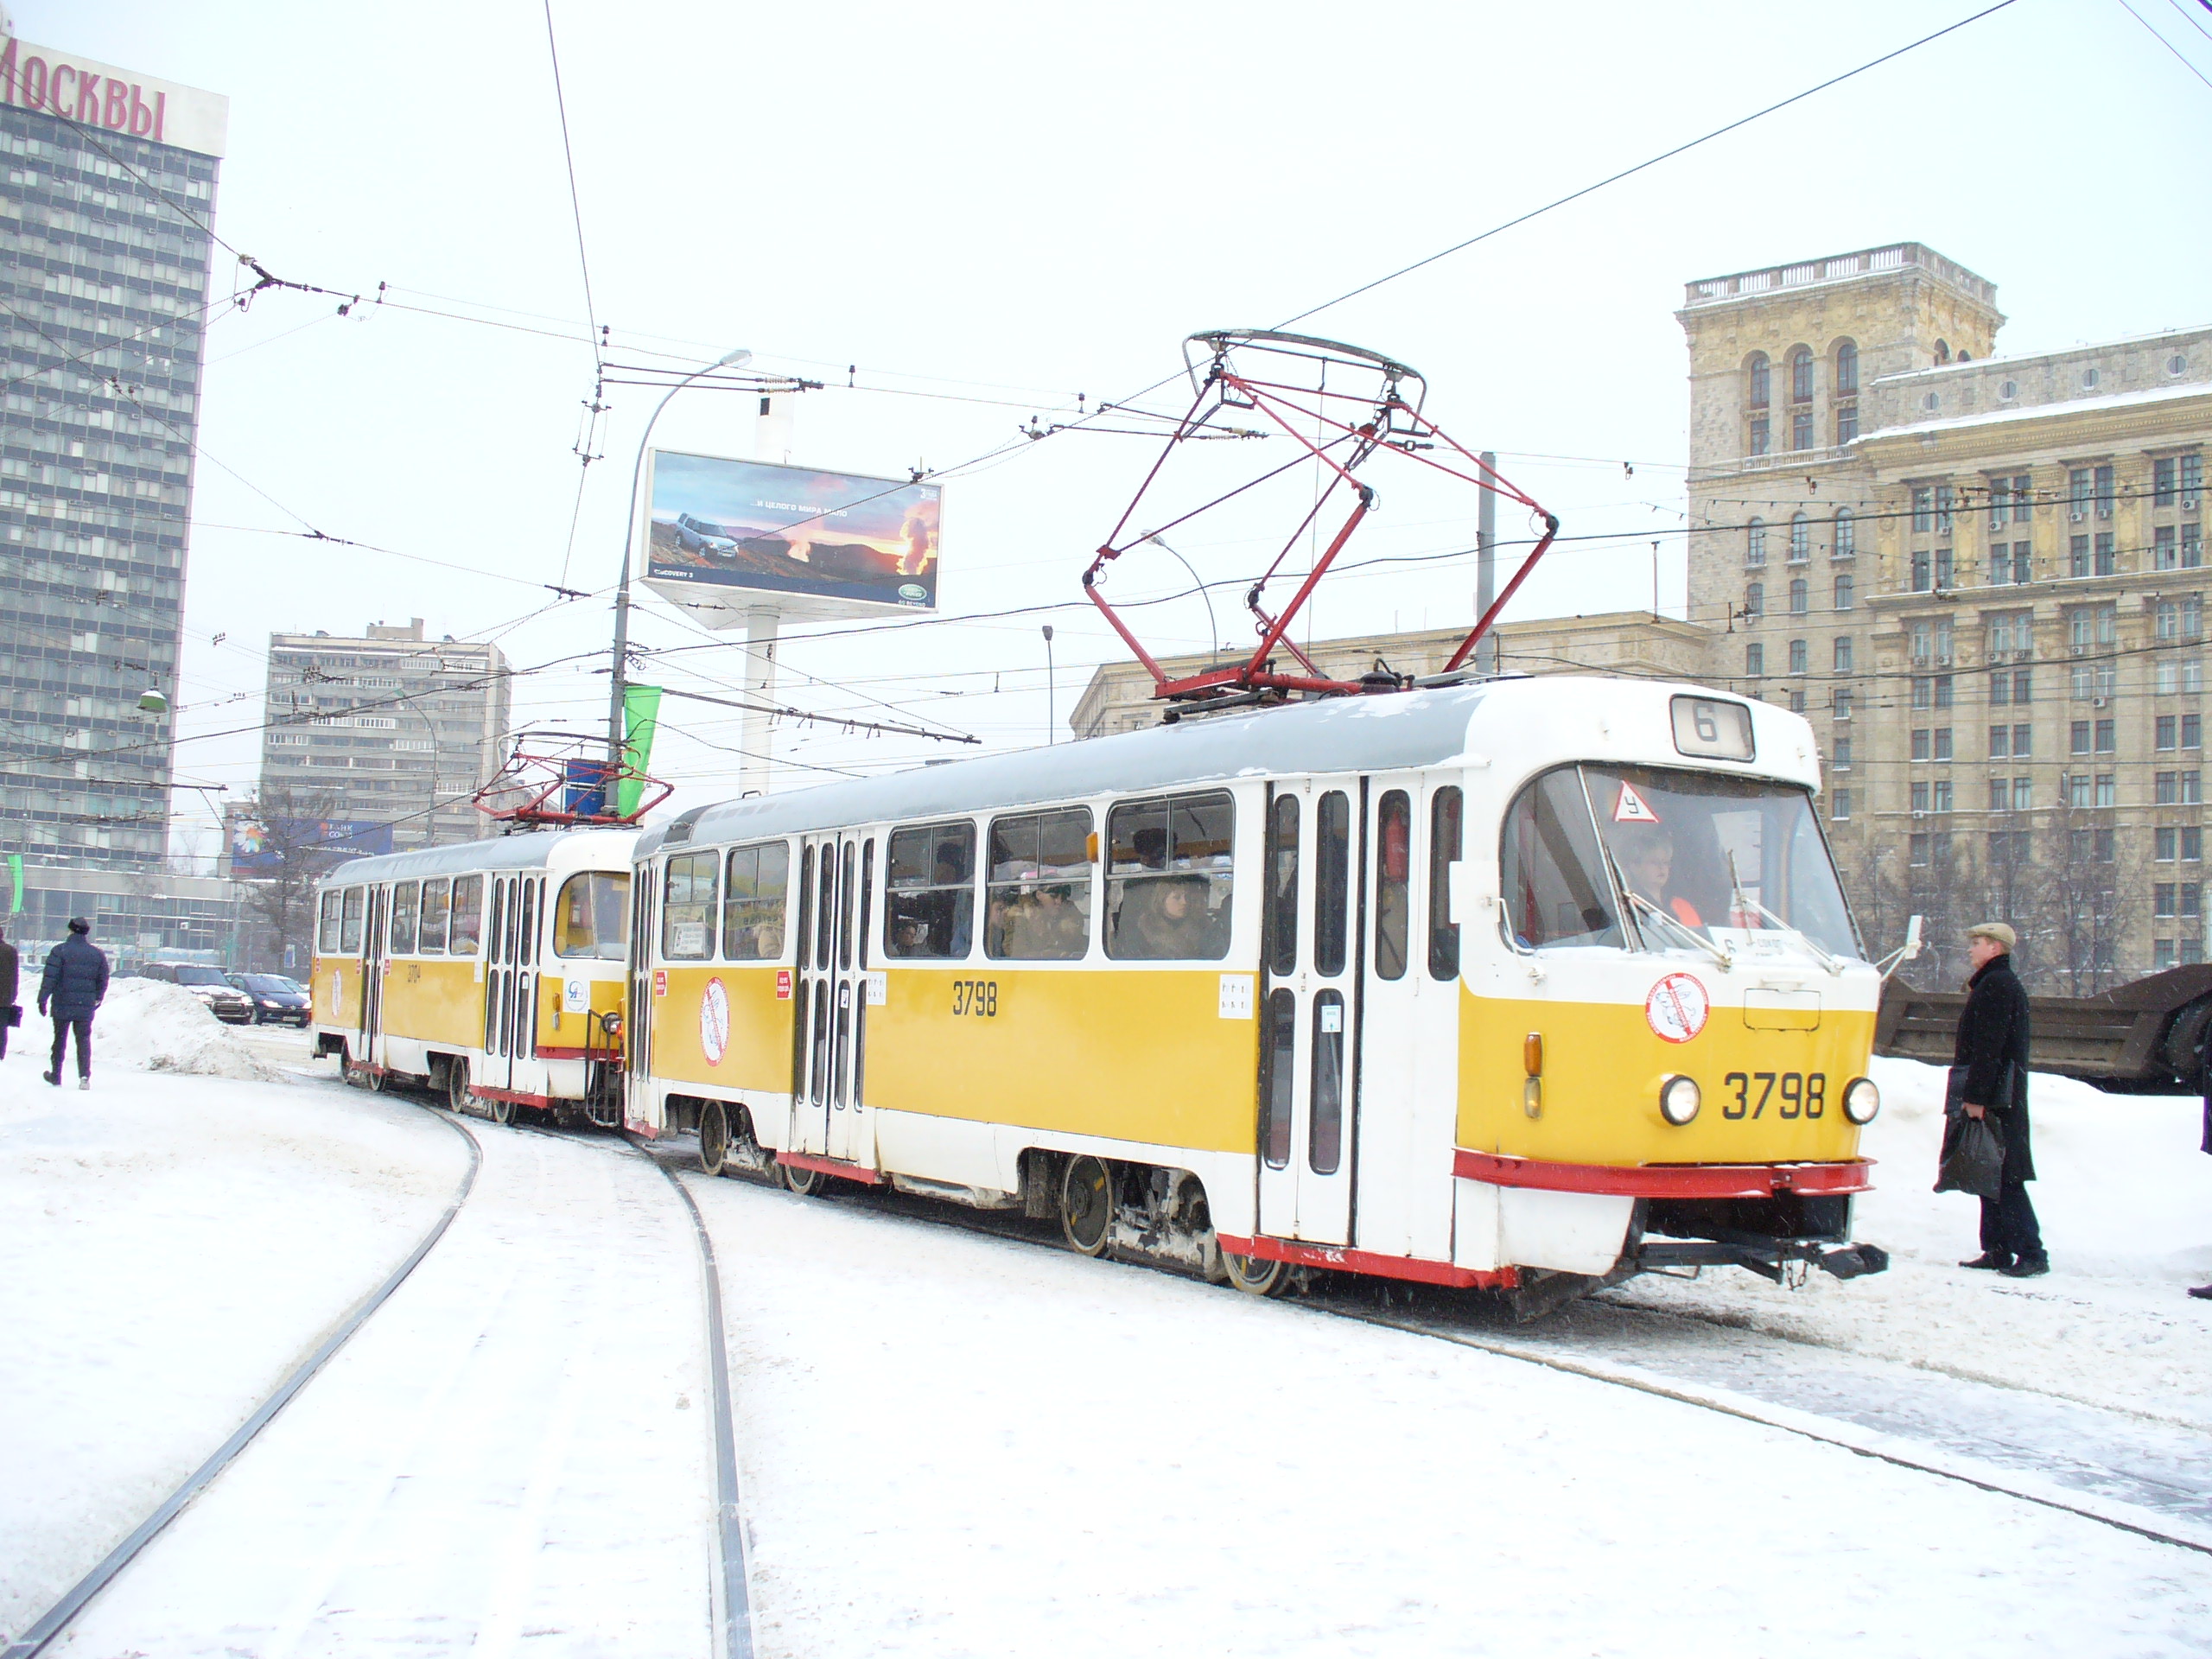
{"points": [[2126, 1201], [954, 1442]]}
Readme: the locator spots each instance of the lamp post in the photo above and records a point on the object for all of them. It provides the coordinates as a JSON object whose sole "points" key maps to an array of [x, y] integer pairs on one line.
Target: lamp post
{"points": [[617, 691], [1051, 715]]}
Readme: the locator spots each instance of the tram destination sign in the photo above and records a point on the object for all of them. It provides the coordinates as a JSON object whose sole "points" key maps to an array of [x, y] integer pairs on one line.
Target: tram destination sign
{"points": [[734, 535]]}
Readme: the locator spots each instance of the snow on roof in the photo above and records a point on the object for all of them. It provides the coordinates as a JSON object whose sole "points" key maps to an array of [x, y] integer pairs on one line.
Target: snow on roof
{"points": [[2037, 411]]}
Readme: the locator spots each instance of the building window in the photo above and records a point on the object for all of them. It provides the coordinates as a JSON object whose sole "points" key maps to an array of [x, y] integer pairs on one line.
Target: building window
{"points": [[2192, 843], [1842, 761], [2165, 844], [2162, 900], [2104, 482], [1841, 807], [2162, 954], [1846, 533], [1945, 575], [1932, 641], [1940, 795], [2077, 737], [2192, 482], [1800, 538], [1801, 429], [1801, 596], [2012, 634], [1842, 650], [1920, 795], [1756, 394], [1922, 568], [2000, 742], [1923, 509], [2077, 555], [2178, 788], [2013, 685], [1841, 701], [1801, 376], [2023, 794], [1943, 509], [2107, 737], [2108, 789], [2091, 627], [2179, 675], [2165, 733], [1799, 657], [2180, 617], [2192, 546], [1916, 849], [1754, 599], [2095, 680], [2000, 794], [2108, 557], [2078, 494], [1754, 660], [1843, 592], [2162, 492], [2076, 786], [2022, 564], [1922, 747], [1760, 442], [2166, 554], [1846, 392], [1755, 542], [1941, 744], [1797, 699]]}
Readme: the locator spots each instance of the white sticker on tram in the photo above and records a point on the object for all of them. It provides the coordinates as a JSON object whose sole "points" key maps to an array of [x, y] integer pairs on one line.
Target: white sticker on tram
{"points": [[576, 996], [878, 988], [1236, 997], [1631, 807]]}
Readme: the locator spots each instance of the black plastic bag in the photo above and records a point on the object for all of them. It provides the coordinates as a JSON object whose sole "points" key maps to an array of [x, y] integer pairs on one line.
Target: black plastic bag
{"points": [[1973, 1156]]}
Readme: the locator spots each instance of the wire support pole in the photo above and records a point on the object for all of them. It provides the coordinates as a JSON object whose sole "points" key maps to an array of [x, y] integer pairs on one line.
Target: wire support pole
{"points": [[617, 691]]}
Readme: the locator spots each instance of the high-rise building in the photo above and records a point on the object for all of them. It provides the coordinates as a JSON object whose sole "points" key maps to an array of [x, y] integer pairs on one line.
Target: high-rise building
{"points": [[1983, 578], [104, 216], [378, 743]]}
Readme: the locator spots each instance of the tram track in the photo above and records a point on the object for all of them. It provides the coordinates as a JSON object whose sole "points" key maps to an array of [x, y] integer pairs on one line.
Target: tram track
{"points": [[41, 1633]]}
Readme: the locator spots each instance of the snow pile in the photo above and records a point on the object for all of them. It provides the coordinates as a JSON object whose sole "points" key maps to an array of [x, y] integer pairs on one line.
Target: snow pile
{"points": [[2126, 1201], [149, 1024]]}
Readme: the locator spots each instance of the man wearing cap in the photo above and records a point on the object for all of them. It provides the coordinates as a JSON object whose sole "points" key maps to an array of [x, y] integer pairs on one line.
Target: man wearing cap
{"points": [[74, 985], [1992, 1051]]}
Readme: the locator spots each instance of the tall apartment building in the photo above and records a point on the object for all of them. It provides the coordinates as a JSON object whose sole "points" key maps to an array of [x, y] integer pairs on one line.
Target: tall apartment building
{"points": [[105, 211], [1983, 579], [383, 739]]}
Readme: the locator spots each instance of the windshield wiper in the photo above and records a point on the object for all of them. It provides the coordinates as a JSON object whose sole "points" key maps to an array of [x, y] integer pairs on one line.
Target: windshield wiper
{"points": [[1743, 902], [1681, 930]]}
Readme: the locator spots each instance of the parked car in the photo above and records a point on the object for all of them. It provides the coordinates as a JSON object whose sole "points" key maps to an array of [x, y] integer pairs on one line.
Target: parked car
{"points": [[276, 1001], [702, 535], [231, 1007]]}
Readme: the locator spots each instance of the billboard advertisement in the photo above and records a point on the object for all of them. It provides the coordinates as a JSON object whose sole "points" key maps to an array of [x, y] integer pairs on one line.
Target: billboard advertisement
{"points": [[805, 543], [259, 847]]}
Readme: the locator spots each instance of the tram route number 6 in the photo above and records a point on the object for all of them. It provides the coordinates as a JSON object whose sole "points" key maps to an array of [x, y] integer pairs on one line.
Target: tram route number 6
{"points": [[978, 997], [1804, 1094]]}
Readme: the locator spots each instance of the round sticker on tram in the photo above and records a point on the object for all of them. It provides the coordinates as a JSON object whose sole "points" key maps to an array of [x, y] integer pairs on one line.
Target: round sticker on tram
{"points": [[1677, 1007], [714, 1022]]}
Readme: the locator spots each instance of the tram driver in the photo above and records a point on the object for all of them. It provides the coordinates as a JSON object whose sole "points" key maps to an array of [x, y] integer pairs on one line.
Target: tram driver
{"points": [[1645, 854]]}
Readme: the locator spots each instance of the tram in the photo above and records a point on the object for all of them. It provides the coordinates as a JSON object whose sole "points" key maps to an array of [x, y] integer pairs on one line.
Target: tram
{"points": [[492, 971], [1503, 983]]}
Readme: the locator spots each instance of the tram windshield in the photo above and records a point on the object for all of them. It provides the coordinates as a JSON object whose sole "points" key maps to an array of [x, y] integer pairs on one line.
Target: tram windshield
{"points": [[1687, 855], [592, 917]]}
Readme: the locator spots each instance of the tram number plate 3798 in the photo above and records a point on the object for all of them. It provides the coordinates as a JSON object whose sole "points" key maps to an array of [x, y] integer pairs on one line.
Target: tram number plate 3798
{"points": [[1792, 1094], [978, 997]]}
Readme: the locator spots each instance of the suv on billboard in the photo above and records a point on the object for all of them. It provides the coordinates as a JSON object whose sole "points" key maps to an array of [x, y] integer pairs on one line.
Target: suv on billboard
{"points": [[696, 534]]}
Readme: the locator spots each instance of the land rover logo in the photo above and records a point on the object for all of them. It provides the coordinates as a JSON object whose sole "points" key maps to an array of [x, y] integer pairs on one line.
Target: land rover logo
{"points": [[913, 593]]}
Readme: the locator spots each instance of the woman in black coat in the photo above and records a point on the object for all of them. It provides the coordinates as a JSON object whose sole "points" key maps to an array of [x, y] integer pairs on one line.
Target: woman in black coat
{"points": [[1993, 1048]]}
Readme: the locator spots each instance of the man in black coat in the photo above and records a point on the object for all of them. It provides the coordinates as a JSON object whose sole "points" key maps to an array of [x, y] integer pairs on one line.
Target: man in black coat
{"points": [[10, 982], [1993, 1048], [74, 985]]}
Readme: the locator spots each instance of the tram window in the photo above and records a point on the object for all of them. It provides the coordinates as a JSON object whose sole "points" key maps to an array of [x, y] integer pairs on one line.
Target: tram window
{"points": [[804, 931], [1325, 1145], [825, 906], [1037, 903], [326, 921], [753, 901], [592, 916], [1169, 878], [437, 900], [1280, 922], [1556, 894], [468, 915], [930, 905], [1279, 1056], [405, 897], [1331, 880], [1444, 851], [1393, 837], [687, 913], [1690, 842], [349, 925], [845, 918]]}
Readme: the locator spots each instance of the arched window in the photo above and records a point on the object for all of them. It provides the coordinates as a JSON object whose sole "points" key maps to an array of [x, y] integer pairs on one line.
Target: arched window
{"points": [[1846, 533], [1847, 369], [1755, 542], [1800, 538], [1942, 353], [1756, 395], [1801, 376], [1755, 599], [1801, 596]]}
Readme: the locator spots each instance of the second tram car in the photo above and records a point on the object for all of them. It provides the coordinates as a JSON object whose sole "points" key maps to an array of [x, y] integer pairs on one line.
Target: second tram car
{"points": [[492, 971], [1477, 984]]}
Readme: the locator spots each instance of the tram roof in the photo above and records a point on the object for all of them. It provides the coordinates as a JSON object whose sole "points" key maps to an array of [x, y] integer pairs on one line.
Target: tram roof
{"points": [[1335, 734], [533, 850]]}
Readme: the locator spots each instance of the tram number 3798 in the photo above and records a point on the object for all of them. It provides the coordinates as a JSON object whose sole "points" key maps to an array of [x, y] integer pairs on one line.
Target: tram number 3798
{"points": [[1804, 1094], [978, 997]]}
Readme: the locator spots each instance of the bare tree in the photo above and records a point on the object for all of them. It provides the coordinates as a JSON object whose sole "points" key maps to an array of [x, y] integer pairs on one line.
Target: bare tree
{"points": [[294, 853]]}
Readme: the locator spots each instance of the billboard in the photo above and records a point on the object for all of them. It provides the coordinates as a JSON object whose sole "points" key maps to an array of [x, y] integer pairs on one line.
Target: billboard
{"points": [[259, 846], [744, 534]]}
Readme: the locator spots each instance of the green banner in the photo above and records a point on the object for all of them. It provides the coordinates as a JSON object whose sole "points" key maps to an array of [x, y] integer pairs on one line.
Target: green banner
{"points": [[15, 870], [640, 720]]}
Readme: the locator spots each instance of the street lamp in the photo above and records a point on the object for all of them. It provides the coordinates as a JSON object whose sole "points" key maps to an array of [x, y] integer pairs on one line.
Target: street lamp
{"points": [[1051, 718], [617, 691]]}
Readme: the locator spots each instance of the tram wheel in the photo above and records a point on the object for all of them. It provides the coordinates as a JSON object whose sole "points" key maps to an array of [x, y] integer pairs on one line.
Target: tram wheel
{"points": [[457, 1086], [1087, 1206], [503, 1111], [1254, 1275], [714, 1137], [805, 1182], [372, 1079]]}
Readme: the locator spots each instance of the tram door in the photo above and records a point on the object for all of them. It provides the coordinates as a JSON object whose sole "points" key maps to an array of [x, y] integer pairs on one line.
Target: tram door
{"points": [[510, 983], [372, 966], [832, 1015], [1409, 1013], [638, 1022], [1309, 1026]]}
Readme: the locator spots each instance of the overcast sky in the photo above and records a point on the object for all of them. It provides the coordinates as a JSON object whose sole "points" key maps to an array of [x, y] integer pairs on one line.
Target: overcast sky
{"points": [[990, 210]]}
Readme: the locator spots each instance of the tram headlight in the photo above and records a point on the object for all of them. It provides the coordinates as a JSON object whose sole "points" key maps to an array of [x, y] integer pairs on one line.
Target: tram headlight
{"points": [[1678, 1100], [1861, 1100]]}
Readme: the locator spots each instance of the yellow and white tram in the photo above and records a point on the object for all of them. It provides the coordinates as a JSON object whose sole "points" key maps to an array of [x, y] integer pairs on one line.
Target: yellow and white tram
{"points": [[492, 971], [1471, 985]]}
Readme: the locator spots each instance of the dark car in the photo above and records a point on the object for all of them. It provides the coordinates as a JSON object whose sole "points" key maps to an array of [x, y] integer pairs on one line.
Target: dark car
{"points": [[209, 985], [702, 536], [276, 1001]]}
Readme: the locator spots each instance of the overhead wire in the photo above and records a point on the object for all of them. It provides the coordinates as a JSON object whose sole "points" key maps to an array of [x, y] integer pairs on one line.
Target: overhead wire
{"points": [[2178, 56]]}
